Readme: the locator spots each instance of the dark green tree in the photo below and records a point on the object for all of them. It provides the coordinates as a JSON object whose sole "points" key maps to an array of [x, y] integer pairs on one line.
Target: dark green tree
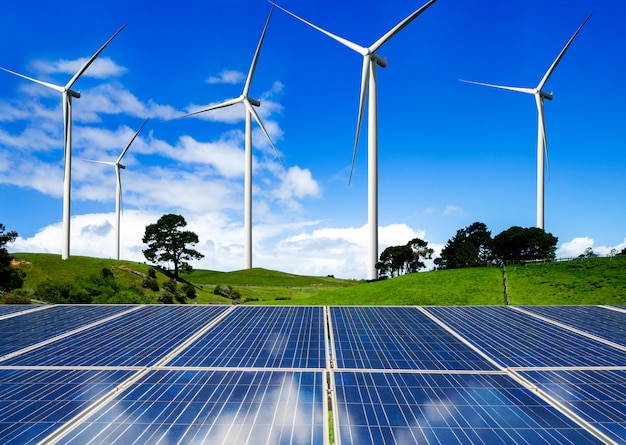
{"points": [[168, 243], [398, 260], [524, 244], [10, 277], [470, 247]]}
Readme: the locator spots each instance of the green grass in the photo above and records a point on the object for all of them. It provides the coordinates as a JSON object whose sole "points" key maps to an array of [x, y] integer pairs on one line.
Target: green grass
{"points": [[584, 281]]}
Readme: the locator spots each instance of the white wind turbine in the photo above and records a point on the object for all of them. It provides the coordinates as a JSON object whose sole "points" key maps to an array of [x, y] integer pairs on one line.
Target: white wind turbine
{"points": [[67, 93], [542, 143], [368, 84], [118, 189], [249, 103]]}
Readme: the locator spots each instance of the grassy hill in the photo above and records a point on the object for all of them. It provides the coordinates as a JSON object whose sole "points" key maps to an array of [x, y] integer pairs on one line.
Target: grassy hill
{"points": [[583, 281]]}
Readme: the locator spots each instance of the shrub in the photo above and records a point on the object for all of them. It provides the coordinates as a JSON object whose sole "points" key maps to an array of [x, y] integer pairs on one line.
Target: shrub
{"points": [[166, 297], [152, 273], [189, 291], [15, 299], [150, 283]]}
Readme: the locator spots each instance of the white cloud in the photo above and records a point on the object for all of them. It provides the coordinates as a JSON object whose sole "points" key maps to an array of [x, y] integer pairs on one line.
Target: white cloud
{"points": [[101, 68], [232, 77], [453, 210], [298, 183], [577, 246]]}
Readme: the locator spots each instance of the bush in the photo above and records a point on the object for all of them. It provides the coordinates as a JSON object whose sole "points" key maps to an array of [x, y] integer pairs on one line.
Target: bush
{"points": [[152, 273], [223, 290], [189, 291], [15, 299], [62, 293], [166, 297], [150, 283]]}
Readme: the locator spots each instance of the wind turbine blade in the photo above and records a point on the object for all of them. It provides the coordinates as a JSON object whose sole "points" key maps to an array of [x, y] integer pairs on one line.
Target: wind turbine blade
{"points": [[90, 61], [40, 82], [542, 130], [258, 120], [99, 162], [503, 87], [246, 88], [212, 107], [119, 159], [560, 56], [365, 75], [349, 44], [392, 32]]}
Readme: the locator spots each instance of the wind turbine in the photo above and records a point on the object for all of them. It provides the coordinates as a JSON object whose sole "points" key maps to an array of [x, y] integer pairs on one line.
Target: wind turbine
{"points": [[542, 143], [368, 84], [118, 190], [68, 94], [249, 103]]}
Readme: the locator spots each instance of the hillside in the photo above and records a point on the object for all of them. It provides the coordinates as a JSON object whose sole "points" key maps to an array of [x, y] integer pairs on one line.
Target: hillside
{"points": [[583, 281]]}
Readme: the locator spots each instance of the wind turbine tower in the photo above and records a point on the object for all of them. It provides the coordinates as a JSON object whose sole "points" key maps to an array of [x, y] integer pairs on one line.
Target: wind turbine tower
{"points": [[68, 94], [249, 103], [118, 189], [542, 143], [368, 85]]}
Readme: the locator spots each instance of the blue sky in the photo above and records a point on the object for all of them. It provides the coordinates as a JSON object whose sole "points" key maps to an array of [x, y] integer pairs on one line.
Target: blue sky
{"points": [[450, 153]]}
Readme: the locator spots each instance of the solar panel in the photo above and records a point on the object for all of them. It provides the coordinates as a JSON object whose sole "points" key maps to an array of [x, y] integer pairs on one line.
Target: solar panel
{"points": [[515, 339], [600, 321], [261, 336], [7, 309], [213, 407], [34, 403], [138, 338], [48, 323], [397, 338], [446, 408], [597, 396]]}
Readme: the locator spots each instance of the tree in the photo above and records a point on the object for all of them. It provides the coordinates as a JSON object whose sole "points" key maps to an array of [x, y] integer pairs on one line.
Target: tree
{"points": [[10, 277], [524, 244], [168, 243], [470, 247], [398, 260]]}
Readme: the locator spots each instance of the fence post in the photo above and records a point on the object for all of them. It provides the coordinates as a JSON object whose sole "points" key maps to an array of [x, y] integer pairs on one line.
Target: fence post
{"points": [[504, 283]]}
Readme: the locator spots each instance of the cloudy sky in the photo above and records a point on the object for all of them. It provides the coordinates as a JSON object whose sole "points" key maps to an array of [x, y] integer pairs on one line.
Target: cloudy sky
{"points": [[450, 153]]}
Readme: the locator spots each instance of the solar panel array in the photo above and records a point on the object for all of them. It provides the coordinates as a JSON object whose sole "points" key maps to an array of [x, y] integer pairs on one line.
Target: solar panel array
{"points": [[191, 374]]}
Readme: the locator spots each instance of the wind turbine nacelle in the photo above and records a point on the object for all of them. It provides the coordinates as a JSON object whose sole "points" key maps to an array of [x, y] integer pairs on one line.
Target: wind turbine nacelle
{"points": [[379, 60], [121, 166], [256, 103], [545, 95], [73, 93]]}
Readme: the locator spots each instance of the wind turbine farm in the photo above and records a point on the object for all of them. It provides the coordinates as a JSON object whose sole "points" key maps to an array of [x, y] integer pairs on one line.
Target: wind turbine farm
{"points": [[542, 142], [441, 155], [68, 94]]}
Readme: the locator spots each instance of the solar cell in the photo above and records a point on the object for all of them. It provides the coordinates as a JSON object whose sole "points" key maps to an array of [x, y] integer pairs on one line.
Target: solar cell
{"points": [[597, 396], [36, 326], [218, 406], [261, 336], [7, 309], [515, 339], [397, 338], [34, 403], [138, 338], [599, 321], [399, 407]]}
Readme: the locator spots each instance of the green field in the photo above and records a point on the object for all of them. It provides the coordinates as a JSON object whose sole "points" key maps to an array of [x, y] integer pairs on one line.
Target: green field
{"points": [[580, 281]]}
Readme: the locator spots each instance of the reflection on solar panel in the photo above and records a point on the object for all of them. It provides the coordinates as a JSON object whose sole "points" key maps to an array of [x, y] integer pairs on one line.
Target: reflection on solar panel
{"points": [[256, 337], [141, 337], [397, 408], [33, 403], [48, 323], [600, 321], [597, 396], [397, 338], [7, 309], [515, 339], [212, 407], [250, 374]]}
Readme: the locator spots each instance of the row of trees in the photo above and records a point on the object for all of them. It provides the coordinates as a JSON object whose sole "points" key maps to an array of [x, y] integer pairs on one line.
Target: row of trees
{"points": [[399, 260], [10, 277], [473, 246]]}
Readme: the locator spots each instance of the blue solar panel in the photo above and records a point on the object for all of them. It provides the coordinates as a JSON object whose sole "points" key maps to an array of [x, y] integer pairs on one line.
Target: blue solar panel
{"points": [[597, 396], [600, 321], [50, 322], [397, 338], [7, 309], [34, 403], [138, 338], [212, 407], [515, 339], [396, 408], [261, 336]]}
